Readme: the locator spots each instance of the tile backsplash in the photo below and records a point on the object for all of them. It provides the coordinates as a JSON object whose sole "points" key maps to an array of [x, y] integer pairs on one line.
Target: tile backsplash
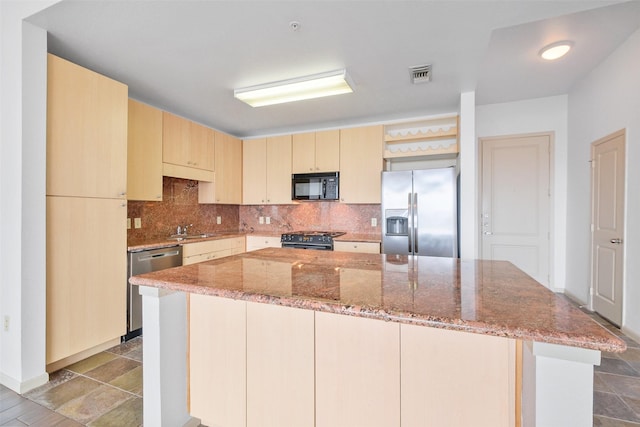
{"points": [[180, 206]]}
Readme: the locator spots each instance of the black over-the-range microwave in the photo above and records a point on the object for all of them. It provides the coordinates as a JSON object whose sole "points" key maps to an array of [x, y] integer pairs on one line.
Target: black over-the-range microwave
{"points": [[315, 186]]}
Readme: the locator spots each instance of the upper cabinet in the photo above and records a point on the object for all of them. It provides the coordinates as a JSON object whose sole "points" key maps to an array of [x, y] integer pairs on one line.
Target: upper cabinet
{"points": [[144, 152], [187, 149], [226, 187], [316, 152], [86, 132], [267, 171], [361, 164]]}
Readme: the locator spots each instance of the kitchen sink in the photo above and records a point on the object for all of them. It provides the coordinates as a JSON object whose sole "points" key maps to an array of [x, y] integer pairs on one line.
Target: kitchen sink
{"points": [[180, 237]]}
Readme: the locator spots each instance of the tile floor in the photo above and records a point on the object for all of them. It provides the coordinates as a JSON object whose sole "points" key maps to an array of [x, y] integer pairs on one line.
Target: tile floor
{"points": [[106, 390]]}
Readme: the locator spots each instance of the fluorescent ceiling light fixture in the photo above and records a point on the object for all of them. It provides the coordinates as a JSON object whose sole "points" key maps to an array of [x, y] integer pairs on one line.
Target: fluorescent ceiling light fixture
{"points": [[555, 50], [309, 87]]}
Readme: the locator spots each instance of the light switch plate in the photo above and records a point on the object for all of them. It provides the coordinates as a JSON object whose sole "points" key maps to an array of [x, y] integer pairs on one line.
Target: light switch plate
{"points": [[218, 220], [128, 223], [261, 220], [137, 223], [374, 222], [267, 220]]}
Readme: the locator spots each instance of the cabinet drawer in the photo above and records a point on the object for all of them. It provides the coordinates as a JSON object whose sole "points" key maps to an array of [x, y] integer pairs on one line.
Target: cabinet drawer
{"points": [[259, 242], [365, 247]]}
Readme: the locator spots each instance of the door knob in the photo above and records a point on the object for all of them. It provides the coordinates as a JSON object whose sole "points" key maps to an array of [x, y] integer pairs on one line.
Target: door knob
{"points": [[487, 233], [616, 241]]}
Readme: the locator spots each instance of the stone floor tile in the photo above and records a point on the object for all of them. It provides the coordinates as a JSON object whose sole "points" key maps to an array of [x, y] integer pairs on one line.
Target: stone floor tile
{"points": [[599, 421], [55, 379], [599, 384], [634, 404], [622, 385], [127, 346], [616, 366], [57, 396], [127, 414], [92, 405], [131, 381], [612, 406], [92, 362], [630, 355], [112, 369]]}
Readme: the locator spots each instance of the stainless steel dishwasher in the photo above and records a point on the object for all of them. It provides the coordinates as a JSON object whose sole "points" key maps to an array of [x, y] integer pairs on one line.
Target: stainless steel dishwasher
{"points": [[141, 262]]}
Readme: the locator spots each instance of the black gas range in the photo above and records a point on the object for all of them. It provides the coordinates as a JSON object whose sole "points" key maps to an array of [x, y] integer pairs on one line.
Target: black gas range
{"points": [[320, 240]]}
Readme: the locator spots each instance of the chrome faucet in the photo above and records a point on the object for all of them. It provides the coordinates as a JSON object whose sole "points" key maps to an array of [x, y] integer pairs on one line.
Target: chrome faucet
{"points": [[183, 230]]}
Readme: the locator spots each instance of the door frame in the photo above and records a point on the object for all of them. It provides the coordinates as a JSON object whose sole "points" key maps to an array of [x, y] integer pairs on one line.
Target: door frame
{"points": [[621, 132], [550, 246]]}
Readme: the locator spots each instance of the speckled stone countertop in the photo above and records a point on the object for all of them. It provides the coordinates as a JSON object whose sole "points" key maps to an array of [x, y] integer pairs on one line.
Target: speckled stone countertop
{"points": [[359, 237], [139, 245], [485, 297]]}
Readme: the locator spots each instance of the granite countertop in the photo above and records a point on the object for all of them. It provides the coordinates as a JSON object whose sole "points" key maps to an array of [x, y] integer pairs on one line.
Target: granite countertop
{"points": [[485, 297], [139, 245]]}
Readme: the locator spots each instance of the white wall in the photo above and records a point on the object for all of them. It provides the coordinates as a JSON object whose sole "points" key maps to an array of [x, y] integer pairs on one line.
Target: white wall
{"points": [[468, 161], [22, 196], [606, 100], [532, 116]]}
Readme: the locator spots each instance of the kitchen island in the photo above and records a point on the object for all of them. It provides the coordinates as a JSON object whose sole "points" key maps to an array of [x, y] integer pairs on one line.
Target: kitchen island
{"points": [[319, 338]]}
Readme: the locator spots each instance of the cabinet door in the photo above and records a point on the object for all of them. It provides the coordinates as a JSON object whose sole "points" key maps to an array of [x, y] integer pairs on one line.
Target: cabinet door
{"points": [[361, 164], [144, 152], [472, 371], [254, 167], [363, 247], [357, 371], [201, 147], [86, 274], [226, 187], [303, 159], [259, 242], [328, 151], [217, 360], [176, 134], [278, 170], [280, 366], [86, 132]]}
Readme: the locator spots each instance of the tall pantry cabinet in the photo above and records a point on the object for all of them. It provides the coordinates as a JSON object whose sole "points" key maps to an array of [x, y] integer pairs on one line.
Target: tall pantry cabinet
{"points": [[86, 211]]}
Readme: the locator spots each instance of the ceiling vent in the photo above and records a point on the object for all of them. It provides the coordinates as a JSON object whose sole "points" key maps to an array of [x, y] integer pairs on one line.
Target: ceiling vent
{"points": [[420, 74]]}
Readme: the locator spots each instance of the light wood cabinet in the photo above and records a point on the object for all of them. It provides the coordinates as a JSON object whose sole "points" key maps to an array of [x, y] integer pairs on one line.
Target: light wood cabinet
{"points": [[86, 212], [86, 274], [187, 149], [144, 152], [260, 242], [444, 371], [218, 360], [280, 366], [267, 171], [357, 371], [211, 249], [86, 132], [364, 247], [316, 152], [361, 164], [226, 187]]}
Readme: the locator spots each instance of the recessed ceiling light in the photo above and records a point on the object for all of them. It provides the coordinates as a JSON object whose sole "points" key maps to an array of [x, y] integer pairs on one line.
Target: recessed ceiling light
{"points": [[308, 87], [555, 50]]}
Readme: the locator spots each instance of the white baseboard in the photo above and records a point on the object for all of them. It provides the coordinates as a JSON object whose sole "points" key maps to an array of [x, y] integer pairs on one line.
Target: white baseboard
{"points": [[22, 387]]}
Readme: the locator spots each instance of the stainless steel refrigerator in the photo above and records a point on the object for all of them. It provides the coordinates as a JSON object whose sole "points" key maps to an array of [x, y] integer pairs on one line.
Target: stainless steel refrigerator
{"points": [[420, 212]]}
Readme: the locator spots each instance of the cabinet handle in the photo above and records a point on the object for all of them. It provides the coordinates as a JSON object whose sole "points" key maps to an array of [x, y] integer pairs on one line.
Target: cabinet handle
{"points": [[122, 194], [158, 196], [123, 205]]}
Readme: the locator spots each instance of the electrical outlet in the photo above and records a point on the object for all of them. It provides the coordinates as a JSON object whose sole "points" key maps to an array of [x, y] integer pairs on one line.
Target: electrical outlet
{"points": [[267, 220], [128, 223], [218, 220], [261, 220], [7, 321], [137, 223], [374, 222]]}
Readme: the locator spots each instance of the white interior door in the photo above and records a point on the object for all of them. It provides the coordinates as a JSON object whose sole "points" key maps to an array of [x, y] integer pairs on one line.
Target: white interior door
{"points": [[607, 229], [515, 202]]}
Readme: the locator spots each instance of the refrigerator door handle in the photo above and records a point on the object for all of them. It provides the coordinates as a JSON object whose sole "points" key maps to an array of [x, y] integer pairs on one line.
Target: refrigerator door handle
{"points": [[410, 232], [415, 223]]}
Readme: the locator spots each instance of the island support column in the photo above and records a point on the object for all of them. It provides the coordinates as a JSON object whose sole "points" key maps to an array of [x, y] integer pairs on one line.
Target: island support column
{"points": [[164, 367], [557, 385]]}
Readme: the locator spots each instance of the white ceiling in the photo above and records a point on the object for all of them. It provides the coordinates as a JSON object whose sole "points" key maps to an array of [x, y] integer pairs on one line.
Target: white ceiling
{"points": [[188, 56]]}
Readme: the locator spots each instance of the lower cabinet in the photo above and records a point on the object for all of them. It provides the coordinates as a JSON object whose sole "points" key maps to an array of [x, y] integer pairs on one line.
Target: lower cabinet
{"points": [[357, 372], [255, 364], [86, 275], [364, 247], [260, 242], [211, 249]]}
